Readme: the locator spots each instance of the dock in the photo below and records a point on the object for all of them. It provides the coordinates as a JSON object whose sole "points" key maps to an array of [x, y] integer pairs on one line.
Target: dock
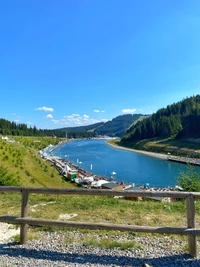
{"points": [[185, 160]]}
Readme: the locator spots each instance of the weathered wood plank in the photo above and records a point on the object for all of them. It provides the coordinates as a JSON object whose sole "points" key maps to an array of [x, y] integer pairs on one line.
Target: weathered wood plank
{"points": [[192, 239], [10, 189], [24, 213], [99, 192], [103, 226]]}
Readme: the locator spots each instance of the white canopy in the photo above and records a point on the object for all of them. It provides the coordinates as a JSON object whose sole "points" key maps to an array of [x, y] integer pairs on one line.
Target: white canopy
{"points": [[99, 183]]}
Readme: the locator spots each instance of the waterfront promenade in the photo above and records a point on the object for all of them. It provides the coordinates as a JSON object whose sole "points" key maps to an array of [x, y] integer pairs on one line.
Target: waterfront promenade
{"points": [[130, 166]]}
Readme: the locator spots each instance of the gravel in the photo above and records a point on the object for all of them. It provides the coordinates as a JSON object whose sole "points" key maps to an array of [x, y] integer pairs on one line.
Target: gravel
{"points": [[69, 249]]}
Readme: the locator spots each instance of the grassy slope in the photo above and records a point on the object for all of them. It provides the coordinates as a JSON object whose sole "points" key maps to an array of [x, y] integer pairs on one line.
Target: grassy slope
{"points": [[22, 161]]}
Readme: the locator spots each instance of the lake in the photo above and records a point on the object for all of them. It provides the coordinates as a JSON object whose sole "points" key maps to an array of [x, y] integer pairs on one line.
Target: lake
{"points": [[101, 159]]}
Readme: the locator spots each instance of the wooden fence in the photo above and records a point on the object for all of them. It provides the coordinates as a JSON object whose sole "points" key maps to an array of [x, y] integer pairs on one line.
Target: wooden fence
{"points": [[24, 220]]}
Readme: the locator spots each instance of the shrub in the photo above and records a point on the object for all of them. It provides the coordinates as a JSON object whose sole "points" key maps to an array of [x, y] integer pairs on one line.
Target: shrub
{"points": [[7, 179], [189, 181]]}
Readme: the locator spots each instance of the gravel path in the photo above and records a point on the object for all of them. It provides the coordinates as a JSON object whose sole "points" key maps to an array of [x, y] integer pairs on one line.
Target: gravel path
{"points": [[52, 249]]}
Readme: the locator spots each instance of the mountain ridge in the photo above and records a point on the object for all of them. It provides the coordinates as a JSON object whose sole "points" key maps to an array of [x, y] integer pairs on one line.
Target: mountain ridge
{"points": [[114, 128]]}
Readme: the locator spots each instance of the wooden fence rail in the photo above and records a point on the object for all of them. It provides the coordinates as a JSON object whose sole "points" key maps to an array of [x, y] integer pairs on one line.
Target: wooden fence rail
{"points": [[24, 220]]}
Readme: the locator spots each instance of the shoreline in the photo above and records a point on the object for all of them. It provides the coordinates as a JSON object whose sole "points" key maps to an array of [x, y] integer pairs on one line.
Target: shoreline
{"points": [[147, 153]]}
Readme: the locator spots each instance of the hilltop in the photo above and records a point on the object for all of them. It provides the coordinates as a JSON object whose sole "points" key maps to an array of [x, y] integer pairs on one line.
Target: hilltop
{"points": [[114, 128]]}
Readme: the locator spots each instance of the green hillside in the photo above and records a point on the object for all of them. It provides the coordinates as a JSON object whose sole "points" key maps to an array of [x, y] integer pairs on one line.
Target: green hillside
{"points": [[21, 165], [119, 125], [115, 128], [179, 120]]}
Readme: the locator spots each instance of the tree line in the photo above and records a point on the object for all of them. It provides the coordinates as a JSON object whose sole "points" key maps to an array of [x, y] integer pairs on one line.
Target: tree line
{"points": [[181, 120], [21, 129]]}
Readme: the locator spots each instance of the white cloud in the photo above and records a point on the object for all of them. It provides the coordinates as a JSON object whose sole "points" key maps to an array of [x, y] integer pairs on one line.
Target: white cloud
{"points": [[17, 121], [85, 116], [97, 110], [45, 109], [128, 111], [77, 120], [49, 116]]}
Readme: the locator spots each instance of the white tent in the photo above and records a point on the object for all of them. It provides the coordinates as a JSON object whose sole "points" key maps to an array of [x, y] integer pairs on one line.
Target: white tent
{"points": [[89, 179], [99, 183]]}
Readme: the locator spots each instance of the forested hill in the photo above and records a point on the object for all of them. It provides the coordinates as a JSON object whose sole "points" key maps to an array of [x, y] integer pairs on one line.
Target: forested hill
{"points": [[119, 125], [181, 119], [116, 127]]}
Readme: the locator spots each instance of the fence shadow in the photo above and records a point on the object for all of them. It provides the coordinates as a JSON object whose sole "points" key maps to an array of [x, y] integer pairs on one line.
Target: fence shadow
{"points": [[13, 250]]}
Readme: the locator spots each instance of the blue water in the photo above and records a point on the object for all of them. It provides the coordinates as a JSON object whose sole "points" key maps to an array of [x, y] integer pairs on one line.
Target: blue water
{"points": [[129, 167]]}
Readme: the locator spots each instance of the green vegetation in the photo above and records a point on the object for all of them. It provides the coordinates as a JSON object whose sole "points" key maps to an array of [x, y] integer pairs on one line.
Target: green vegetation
{"points": [[182, 147], [7, 179], [21, 165], [95, 209], [189, 181], [107, 242], [180, 120], [119, 125]]}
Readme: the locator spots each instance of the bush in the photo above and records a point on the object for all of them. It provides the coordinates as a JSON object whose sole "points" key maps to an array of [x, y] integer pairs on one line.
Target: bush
{"points": [[7, 179], [189, 181]]}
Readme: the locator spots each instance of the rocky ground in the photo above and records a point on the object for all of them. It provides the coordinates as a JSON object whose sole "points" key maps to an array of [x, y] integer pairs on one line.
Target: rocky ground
{"points": [[69, 249]]}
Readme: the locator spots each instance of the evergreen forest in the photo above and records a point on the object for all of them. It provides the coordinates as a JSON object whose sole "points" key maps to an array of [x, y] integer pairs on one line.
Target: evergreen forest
{"points": [[179, 120]]}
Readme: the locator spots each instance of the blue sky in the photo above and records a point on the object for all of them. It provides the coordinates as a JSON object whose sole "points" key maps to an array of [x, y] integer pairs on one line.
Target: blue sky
{"points": [[76, 62]]}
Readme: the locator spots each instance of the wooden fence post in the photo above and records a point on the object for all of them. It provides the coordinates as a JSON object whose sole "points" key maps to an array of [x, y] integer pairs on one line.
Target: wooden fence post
{"points": [[192, 239], [24, 213]]}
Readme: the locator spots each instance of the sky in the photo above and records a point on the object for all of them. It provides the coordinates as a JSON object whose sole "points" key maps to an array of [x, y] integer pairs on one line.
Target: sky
{"points": [[70, 63]]}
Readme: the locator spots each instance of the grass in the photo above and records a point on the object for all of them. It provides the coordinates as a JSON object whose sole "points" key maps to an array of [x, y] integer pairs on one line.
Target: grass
{"points": [[32, 235], [21, 161], [100, 209], [107, 242]]}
